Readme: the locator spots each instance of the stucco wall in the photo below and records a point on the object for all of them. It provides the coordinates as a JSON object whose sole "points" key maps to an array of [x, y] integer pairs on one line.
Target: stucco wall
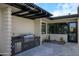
{"points": [[22, 25], [38, 24], [44, 36], [37, 27], [58, 37]]}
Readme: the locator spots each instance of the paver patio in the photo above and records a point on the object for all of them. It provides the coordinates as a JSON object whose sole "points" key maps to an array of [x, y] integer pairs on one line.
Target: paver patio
{"points": [[50, 49]]}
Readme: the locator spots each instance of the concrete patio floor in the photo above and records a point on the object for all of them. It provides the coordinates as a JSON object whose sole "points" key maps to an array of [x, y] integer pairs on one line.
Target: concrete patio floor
{"points": [[50, 49]]}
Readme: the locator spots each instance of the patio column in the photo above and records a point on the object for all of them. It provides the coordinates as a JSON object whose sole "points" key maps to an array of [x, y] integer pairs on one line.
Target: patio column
{"points": [[78, 30], [40, 31], [46, 30], [5, 49]]}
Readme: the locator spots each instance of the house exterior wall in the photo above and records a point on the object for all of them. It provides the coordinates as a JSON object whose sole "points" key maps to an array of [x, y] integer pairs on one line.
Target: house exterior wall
{"points": [[22, 26], [44, 36], [37, 26]]}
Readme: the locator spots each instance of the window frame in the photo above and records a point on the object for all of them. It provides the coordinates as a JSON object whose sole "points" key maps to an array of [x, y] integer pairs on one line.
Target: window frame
{"points": [[43, 30], [56, 27]]}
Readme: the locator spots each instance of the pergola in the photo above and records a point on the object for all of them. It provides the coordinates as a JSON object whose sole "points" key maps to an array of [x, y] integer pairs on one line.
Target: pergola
{"points": [[29, 10]]}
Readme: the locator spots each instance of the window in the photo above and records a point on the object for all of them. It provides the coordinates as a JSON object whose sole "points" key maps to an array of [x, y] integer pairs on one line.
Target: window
{"points": [[57, 28], [62, 28], [51, 28], [43, 28], [72, 27]]}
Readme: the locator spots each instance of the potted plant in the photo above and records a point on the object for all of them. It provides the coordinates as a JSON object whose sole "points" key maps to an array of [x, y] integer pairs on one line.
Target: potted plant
{"points": [[62, 40]]}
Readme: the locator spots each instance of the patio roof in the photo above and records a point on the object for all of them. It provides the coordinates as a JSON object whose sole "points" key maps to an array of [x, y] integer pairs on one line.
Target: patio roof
{"points": [[29, 10], [63, 17]]}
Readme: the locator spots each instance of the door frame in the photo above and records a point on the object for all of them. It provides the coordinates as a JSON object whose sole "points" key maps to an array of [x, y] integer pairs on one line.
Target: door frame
{"points": [[76, 33]]}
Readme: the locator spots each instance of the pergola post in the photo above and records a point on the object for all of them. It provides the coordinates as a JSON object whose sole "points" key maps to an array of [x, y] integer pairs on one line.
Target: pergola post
{"points": [[5, 47]]}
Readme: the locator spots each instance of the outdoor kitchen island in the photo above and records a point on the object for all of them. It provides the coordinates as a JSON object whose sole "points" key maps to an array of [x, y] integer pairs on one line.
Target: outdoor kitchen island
{"points": [[24, 42]]}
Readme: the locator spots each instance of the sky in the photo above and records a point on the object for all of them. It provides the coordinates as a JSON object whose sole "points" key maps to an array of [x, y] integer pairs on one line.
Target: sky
{"points": [[59, 9]]}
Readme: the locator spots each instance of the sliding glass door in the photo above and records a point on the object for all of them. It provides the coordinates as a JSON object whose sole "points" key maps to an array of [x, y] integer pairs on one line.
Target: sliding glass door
{"points": [[72, 32]]}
